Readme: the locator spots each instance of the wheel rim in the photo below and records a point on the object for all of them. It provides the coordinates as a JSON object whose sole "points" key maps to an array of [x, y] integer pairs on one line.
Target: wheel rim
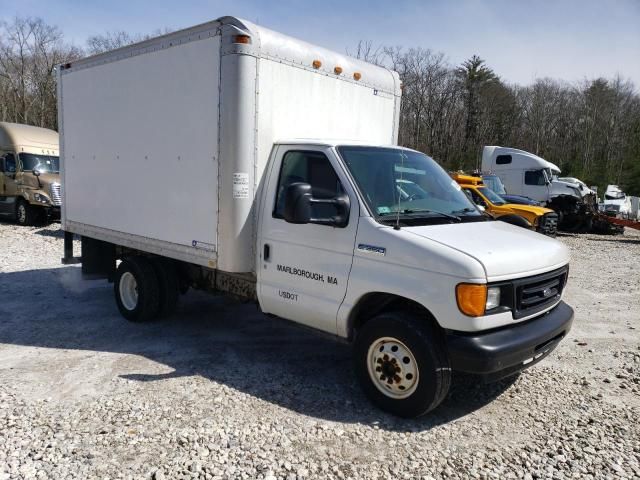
{"points": [[128, 291], [22, 213], [392, 367]]}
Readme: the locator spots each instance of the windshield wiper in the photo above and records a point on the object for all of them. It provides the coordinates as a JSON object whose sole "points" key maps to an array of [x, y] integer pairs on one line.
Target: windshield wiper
{"points": [[465, 210], [412, 213]]}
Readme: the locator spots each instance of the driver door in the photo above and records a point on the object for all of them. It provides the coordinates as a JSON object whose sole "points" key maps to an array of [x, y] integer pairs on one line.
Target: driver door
{"points": [[535, 185], [8, 184], [303, 269]]}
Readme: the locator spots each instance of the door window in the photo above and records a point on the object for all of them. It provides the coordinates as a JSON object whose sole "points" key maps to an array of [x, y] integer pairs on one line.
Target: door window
{"points": [[535, 177], [9, 163], [477, 198], [315, 169]]}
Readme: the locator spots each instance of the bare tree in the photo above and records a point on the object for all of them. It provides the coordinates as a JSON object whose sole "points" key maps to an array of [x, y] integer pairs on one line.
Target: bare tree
{"points": [[365, 50], [117, 39], [29, 51]]}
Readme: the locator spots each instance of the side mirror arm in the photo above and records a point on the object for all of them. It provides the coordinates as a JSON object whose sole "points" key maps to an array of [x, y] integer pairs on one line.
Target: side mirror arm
{"points": [[36, 174], [341, 203]]}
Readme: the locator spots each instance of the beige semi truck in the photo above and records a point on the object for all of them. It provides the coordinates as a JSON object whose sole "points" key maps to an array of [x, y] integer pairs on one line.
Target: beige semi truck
{"points": [[29, 174]]}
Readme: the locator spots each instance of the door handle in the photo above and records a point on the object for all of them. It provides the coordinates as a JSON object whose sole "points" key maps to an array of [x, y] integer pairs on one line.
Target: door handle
{"points": [[266, 252]]}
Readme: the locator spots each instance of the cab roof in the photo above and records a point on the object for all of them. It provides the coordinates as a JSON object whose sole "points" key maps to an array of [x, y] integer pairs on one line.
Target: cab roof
{"points": [[336, 142], [16, 134], [463, 179]]}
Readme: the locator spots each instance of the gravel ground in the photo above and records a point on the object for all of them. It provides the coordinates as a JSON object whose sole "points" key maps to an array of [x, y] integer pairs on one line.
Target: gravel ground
{"points": [[84, 394]]}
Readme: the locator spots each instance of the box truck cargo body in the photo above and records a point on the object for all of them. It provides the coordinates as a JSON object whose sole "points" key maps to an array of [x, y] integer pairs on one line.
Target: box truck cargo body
{"points": [[231, 158], [195, 114]]}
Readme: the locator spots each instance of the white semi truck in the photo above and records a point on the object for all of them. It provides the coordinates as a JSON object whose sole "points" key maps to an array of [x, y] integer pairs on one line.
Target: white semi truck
{"points": [[205, 158], [524, 173]]}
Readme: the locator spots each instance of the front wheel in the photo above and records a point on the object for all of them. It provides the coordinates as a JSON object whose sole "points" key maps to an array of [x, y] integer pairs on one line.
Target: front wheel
{"points": [[25, 214], [402, 364]]}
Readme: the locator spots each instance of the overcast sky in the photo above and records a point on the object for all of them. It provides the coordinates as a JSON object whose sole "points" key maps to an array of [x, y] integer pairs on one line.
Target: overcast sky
{"points": [[520, 40]]}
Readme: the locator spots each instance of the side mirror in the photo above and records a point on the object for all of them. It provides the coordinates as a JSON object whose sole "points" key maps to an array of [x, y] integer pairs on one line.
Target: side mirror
{"points": [[299, 199], [297, 203], [36, 172]]}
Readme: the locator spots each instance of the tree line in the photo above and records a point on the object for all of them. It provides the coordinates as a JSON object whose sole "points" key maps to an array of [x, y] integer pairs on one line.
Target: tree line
{"points": [[590, 129]]}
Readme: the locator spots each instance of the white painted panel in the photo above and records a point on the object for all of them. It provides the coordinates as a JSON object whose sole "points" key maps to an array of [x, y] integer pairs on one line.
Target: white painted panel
{"points": [[140, 144], [297, 103]]}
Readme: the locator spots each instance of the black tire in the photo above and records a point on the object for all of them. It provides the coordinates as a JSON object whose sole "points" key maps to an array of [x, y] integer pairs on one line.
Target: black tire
{"points": [[25, 213], [425, 342], [147, 304], [168, 283]]}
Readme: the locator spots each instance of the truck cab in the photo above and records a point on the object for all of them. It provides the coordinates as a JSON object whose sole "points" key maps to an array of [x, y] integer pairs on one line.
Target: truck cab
{"points": [[343, 246], [29, 173]]}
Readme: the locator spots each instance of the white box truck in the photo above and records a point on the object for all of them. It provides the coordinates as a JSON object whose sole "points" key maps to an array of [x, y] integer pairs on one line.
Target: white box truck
{"points": [[205, 158]]}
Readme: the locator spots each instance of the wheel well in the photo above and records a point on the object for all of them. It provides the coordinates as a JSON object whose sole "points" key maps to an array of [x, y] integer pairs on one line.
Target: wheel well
{"points": [[374, 303], [515, 219]]}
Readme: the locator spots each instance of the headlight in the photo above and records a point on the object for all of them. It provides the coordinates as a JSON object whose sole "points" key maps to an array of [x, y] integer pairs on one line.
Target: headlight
{"points": [[471, 298], [493, 298], [38, 197], [475, 299]]}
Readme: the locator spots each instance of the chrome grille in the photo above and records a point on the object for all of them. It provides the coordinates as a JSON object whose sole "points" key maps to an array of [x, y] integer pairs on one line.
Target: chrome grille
{"points": [[56, 198], [534, 294]]}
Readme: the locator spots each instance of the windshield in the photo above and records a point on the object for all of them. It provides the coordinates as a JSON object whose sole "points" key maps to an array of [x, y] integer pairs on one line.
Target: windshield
{"points": [[615, 196], [494, 183], [492, 196], [393, 180], [42, 163], [549, 175]]}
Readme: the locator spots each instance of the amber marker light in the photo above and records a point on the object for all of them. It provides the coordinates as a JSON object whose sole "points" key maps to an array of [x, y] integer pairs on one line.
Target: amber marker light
{"points": [[316, 64], [244, 39], [471, 298], [337, 70], [357, 76]]}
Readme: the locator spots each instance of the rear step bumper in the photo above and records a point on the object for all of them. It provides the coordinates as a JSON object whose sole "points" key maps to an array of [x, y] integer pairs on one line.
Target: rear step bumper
{"points": [[508, 350]]}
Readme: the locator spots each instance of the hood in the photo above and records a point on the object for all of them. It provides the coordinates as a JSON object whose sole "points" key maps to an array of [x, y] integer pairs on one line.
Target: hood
{"points": [[565, 188], [505, 251], [46, 179], [518, 208]]}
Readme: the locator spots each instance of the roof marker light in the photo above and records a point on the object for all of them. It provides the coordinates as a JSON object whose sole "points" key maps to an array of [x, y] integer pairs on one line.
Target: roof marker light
{"points": [[244, 39], [357, 76], [337, 70], [317, 64]]}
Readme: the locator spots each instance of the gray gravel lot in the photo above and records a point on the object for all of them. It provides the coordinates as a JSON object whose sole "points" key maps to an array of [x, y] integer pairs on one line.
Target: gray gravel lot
{"points": [[221, 391]]}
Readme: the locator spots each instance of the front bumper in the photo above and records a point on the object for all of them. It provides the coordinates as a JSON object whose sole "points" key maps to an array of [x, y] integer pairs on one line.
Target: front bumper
{"points": [[508, 350], [54, 212]]}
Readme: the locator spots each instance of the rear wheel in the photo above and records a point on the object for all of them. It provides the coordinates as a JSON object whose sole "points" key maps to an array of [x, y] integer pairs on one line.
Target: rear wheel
{"points": [[168, 284], [137, 289], [402, 364]]}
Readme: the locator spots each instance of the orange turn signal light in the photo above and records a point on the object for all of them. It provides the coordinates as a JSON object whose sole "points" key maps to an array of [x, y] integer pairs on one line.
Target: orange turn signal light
{"points": [[316, 64], [471, 298], [245, 39], [357, 76]]}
